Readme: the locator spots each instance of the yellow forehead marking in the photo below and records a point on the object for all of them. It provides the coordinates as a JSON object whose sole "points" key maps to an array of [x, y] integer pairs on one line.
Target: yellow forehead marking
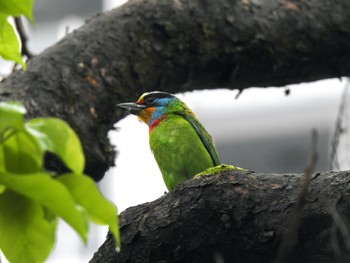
{"points": [[140, 100]]}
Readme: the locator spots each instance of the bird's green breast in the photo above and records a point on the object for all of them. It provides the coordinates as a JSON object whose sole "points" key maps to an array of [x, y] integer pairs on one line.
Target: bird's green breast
{"points": [[178, 150]]}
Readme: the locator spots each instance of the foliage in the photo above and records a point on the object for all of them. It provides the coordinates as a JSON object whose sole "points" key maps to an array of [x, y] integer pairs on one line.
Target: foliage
{"points": [[9, 43], [31, 198]]}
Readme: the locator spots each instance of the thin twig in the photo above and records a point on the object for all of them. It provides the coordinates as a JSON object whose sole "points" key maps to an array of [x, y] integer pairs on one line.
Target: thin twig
{"points": [[333, 159], [342, 226], [340, 234], [290, 238], [333, 238], [23, 37], [240, 91]]}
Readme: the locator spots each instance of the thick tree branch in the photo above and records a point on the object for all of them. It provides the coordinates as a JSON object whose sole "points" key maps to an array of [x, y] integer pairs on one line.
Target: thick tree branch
{"points": [[177, 46], [237, 217]]}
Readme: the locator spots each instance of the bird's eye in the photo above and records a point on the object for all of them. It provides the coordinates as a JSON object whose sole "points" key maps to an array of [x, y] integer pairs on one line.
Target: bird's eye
{"points": [[150, 100]]}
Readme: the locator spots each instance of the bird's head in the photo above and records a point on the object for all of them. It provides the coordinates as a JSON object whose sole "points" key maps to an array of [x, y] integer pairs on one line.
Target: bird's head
{"points": [[151, 106]]}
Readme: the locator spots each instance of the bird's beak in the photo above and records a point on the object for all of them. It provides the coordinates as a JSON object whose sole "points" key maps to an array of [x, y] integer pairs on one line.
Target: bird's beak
{"points": [[131, 107]]}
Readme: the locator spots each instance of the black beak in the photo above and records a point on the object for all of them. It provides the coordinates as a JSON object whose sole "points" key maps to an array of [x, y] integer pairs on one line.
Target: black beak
{"points": [[131, 107]]}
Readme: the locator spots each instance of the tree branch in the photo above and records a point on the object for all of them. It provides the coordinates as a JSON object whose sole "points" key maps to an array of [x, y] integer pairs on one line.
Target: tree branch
{"points": [[23, 38], [178, 46], [237, 216]]}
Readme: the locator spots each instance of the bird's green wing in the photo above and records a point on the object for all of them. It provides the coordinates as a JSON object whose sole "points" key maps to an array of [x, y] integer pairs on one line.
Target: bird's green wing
{"points": [[203, 135]]}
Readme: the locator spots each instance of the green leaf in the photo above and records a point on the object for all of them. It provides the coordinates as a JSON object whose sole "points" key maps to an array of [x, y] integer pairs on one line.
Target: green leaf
{"points": [[56, 136], [11, 116], [45, 190], [21, 153], [23, 183], [17, 8], [86, 194], [26, 236], [9, 43]]}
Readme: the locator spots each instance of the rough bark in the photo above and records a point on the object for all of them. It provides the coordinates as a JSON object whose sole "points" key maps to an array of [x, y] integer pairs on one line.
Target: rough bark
{"points": [[177, 46], [235, 217]]}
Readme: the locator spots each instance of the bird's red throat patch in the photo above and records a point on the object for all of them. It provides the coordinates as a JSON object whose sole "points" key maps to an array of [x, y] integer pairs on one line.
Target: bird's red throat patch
{"points": [[156, 122]]}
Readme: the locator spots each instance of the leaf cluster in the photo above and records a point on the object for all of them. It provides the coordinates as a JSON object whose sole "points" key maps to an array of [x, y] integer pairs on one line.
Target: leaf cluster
{"points": [[32, 198]]}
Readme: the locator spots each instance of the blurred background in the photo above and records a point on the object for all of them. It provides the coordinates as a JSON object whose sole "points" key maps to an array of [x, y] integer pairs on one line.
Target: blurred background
{"points": [[263, 130]]}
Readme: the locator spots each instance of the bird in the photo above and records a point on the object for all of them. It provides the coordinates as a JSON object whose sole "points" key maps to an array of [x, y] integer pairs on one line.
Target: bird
{"points": [[180, 144]]}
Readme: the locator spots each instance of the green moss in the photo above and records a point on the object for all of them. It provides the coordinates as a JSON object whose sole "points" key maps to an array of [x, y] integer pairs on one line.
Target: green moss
{"points": [[219, 169]]}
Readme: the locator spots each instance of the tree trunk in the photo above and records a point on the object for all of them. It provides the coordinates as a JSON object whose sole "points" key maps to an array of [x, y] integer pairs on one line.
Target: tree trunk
{"points": [[236, 217], [178, 46]]}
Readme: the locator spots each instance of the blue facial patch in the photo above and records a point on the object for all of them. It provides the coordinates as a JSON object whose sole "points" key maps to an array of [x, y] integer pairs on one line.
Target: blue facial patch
{"points": [[160, 108]]}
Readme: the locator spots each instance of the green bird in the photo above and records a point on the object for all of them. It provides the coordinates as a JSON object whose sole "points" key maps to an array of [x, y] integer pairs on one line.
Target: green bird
{"points": [[179, 142]]}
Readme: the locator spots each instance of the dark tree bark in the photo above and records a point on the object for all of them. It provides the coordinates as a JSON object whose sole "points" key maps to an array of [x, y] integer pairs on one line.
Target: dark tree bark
{"points": [[178, 46], [235, 217]]}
